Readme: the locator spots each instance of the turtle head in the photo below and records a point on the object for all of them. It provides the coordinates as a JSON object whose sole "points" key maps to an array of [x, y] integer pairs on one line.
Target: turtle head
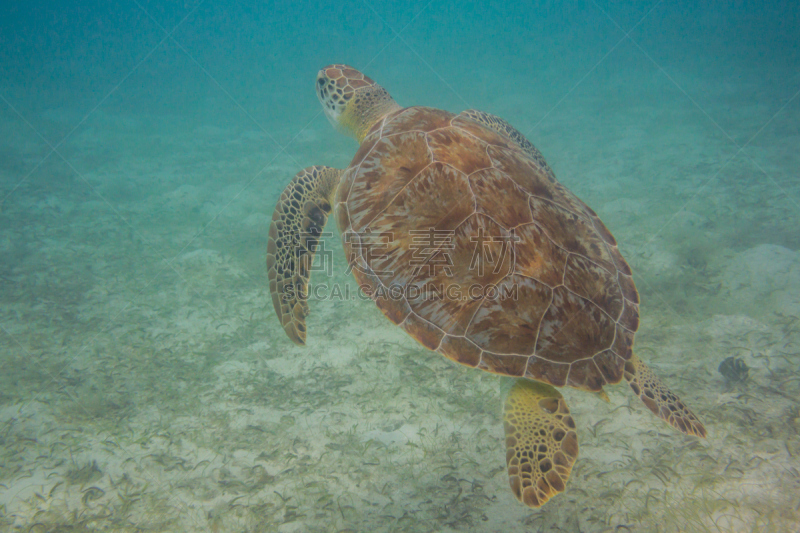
{"points": [[352, 102]]}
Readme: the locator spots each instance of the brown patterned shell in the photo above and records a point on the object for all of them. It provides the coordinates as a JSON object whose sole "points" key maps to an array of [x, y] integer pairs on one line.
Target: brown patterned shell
{"points": [[472, 246]]}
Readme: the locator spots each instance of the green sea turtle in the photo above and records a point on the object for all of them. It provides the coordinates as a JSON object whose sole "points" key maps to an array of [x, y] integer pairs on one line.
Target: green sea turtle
{"points": [[459, 231]]}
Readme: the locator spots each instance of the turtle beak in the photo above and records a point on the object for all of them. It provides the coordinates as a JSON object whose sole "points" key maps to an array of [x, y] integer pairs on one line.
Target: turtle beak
{"points": [[325, 95], [321, 81]]}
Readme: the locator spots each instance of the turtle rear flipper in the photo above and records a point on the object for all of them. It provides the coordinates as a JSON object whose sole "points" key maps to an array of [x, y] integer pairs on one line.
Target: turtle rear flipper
{"points": [[664, 403], [541, 442], [297, 223]]}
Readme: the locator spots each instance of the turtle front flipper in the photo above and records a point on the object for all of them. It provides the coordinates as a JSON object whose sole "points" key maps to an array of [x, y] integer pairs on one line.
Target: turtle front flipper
{"points": [[664, 403], [502, 127], [541, 442], [297, 223]]}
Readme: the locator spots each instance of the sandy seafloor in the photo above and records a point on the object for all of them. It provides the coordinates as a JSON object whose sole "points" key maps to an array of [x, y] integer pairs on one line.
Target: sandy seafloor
{"points": [[145, 384]]}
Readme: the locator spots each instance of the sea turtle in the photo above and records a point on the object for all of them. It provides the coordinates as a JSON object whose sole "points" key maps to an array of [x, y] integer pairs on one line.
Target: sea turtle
{"points": [[459, 231]]}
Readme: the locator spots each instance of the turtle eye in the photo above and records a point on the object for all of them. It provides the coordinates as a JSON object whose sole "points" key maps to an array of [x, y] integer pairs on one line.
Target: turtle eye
{"points": [[321, 82]]}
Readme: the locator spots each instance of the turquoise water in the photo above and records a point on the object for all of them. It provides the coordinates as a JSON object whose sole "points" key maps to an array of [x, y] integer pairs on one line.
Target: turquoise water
{"points": [[146, 385]]}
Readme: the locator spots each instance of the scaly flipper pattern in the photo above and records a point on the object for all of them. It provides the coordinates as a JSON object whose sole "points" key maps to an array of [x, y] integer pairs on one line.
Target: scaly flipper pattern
{"points": [[504, 128], [298, 220], [541, 442], [660, 400]]}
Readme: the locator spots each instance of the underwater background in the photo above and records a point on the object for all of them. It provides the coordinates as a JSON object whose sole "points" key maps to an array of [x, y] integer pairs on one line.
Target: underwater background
{"points": [[145, 382]]}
